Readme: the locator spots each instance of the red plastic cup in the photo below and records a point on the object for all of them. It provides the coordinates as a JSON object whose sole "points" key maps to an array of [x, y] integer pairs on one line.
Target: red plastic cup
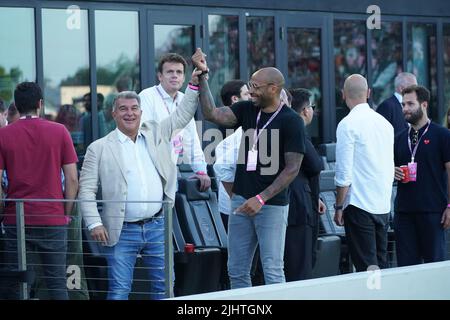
{"points": [[405, 174], [189, 248]]}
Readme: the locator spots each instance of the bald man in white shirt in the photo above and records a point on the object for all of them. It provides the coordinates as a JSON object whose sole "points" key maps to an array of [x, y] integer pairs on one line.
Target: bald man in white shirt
{"points": [[364, 176]]}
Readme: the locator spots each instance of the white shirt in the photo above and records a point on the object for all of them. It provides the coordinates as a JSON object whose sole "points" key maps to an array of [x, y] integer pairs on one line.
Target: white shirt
{"points": [[156, 108], [399, 97], [143, 180], [227, 152], [365, 159]]}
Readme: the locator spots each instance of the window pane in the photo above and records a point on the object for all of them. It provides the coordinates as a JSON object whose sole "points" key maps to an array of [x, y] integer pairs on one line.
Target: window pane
{"points": [[386, 59], [17, 56], [224, 48], [260, 43], [446, 68], [349, 57], [66, 71], [174, 38], [422, 59], [117, 65], [304, 69]]}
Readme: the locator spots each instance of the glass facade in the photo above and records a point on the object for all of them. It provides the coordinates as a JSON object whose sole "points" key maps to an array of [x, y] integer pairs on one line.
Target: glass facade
{"points": [[260, 43], [65, 45], [446, 73], [304, 68], [387, 59], [267, 39], [117, 65], [349, 57], [17, 56], [422, 59], [224, 50], [174, 38]]}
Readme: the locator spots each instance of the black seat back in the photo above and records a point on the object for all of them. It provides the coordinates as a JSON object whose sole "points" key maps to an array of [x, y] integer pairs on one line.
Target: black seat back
{"points": [[328, 153], [328, 195], [199, 216]]}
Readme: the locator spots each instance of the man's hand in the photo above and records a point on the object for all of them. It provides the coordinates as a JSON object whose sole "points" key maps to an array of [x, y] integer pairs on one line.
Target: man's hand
{"points": [[446, 219], [194, 78], [250, 207], [100, 234], [339, 218], [399, 175], [205, 181], [322, 208], [199, 60]]}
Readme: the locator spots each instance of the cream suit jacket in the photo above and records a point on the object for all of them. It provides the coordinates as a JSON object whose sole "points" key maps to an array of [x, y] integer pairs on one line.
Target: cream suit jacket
{"points": [[103, 165]]}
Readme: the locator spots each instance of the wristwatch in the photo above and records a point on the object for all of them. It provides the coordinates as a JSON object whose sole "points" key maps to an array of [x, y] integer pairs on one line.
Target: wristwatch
{"points": [[337, 207]]}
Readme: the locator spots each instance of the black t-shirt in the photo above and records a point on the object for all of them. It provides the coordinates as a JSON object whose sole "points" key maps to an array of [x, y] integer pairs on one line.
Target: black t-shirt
{"points": [[286, 133], [429, 192], [304, 189]]}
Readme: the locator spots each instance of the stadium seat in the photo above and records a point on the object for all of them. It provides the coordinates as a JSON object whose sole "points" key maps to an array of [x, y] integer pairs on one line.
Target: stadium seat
{"points": [[201, 225], [328, 153]]}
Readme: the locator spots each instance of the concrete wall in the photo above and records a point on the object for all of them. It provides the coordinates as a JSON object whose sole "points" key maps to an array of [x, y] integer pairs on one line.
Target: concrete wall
{"points": [[426, 281]]}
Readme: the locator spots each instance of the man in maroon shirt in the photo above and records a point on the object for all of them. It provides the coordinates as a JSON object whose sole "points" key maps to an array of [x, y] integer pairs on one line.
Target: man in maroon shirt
{"points": [[33, 151]]}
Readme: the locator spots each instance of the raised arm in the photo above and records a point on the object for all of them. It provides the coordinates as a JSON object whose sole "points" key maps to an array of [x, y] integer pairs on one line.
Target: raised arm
{"points": [[222, 116]]}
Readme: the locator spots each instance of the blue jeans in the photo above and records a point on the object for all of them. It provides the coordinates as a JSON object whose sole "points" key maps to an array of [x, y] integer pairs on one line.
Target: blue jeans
{"points": [[268, 228], [50, 244], [146, 239]]}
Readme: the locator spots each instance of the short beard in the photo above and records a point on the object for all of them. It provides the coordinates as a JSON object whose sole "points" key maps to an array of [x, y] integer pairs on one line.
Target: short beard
{"points": [[415, 117]]}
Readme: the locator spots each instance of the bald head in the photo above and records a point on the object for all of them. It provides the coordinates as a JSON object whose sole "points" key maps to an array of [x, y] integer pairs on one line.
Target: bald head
{"points": [[269, 75], [404, 80], [355, 90]]}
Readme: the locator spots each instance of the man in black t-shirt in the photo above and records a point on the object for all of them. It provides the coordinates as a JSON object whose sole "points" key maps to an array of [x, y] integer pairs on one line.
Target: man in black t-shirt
{"points": [[422, 209], [269, 159]]}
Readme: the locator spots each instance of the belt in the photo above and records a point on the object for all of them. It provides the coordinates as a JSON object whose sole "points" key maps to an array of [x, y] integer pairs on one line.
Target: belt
{"points": [[144, 221]]}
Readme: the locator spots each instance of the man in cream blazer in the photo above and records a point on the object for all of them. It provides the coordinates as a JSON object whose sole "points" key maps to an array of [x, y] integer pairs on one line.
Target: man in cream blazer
{"points": [[133, 165]]}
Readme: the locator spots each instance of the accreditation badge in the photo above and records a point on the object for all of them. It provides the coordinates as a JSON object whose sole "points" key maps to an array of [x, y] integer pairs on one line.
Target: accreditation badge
{"points": [[412, 169], [252, 160]]}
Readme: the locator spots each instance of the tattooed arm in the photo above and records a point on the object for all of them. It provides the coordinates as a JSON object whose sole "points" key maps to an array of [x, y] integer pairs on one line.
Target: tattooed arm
{"points": [[293, 162], [222, 116]]}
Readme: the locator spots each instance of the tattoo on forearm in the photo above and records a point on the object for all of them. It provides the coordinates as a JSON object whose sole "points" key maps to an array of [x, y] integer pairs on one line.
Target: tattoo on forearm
{"points": [[293, 162], [222, 116], [206, 100]]}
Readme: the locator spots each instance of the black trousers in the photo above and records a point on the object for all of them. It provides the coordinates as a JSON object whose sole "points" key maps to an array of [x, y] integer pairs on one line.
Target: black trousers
{"points": [[366, 237], [298, 252], [50, 243], [419, 237]]}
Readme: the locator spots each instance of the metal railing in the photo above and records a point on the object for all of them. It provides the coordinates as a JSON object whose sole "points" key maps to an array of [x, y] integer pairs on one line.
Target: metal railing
{"points": [[24, 266]]}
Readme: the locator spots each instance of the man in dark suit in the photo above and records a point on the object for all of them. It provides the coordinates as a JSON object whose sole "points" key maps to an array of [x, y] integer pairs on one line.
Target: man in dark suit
{"points": [[391, 108], [303, 227]]}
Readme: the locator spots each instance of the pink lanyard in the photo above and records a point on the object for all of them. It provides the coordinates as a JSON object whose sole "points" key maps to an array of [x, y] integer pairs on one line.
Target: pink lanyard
{"points": [[162, 98], [256, 134], [413, 151]]}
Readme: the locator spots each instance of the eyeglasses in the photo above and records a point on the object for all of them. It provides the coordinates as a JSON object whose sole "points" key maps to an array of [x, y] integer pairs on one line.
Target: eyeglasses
{"points": [[312, 106], [254, 86]]}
